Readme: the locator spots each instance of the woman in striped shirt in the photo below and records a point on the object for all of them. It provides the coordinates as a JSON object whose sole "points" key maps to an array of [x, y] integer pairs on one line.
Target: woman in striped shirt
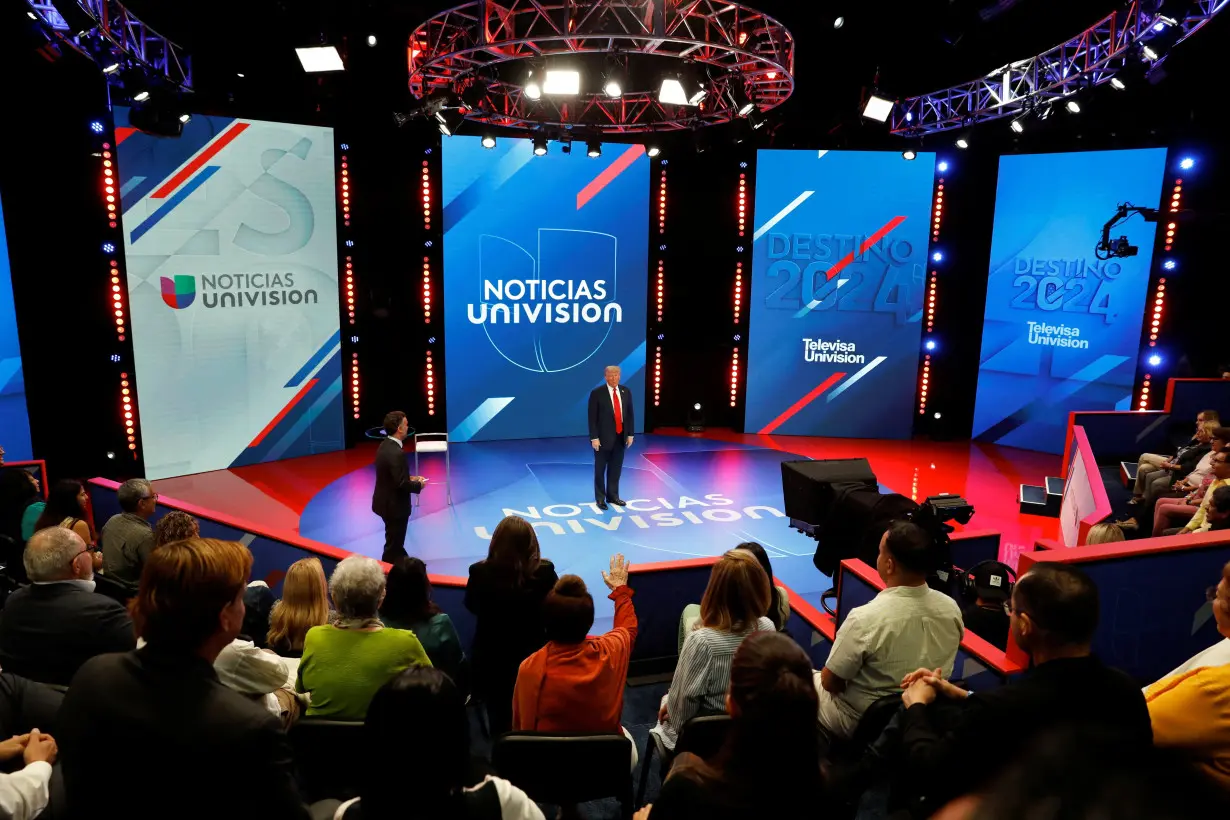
{"points": [[732, 608]]}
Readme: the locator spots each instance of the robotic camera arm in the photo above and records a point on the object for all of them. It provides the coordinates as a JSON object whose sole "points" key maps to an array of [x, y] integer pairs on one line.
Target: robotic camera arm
{"points": [[1109, 248]]}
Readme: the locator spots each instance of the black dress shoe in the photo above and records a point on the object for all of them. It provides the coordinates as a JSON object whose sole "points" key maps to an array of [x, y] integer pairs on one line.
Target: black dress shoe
{"points": [[601, 504], [619, 502]]}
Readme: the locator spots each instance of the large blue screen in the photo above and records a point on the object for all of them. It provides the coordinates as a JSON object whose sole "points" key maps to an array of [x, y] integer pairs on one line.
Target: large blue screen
{"points": [[838, 271], [14, 418], [1062, 328], [544, 284]]}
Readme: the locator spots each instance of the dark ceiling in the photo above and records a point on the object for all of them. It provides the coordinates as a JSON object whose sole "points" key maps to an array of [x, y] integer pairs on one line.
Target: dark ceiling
{"points": [[912, 46]]}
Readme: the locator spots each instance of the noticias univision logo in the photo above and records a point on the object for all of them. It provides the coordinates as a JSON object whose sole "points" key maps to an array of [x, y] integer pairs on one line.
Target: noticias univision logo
{"points": [[236, 290], [178, 292]]}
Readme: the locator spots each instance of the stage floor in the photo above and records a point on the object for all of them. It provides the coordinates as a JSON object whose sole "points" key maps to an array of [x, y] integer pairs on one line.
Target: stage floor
{"points": [[689, 495]]}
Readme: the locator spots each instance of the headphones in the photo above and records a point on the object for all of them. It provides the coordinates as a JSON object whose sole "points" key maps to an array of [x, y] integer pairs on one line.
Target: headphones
{"points": [[969, 590]]}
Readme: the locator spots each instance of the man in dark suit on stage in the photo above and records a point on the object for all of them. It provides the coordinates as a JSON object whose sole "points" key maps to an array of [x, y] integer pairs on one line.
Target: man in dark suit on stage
{"points": [[391, 500], [611, 423]]}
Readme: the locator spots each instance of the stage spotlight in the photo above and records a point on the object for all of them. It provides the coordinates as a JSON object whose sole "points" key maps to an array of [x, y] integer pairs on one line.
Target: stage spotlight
{"points": [[938, 417], [681, 89], [930, 344], [839, 22], [616, 79], [371, 39], [1017, 126], [1155, 360], [488, 141], [1187, 163], [185, 117], [877, 108], [739, 99], [942, 166], [108, 247], [1117, 84], [757, 120], [449, 120], [962, 143], [593, 148], [565, 145], [1170, 264], [1148, 53], [909, 154], [533, 86], [937, 257], [97, 127], [316, 59], [653, 151], [695, 419], [141, 96], [562, 82], [613, 88], [540, 146], [111, 67], [1074, 106]]}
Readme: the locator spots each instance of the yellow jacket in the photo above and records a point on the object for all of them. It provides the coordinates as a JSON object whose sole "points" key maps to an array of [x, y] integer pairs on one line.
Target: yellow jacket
{"points": [[1191, 712], [1200, 521]]}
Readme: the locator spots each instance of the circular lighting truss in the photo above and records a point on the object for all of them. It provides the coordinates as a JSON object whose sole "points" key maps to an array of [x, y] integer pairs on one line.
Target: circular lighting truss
{"points": [[484, 51], [1127, 43]]}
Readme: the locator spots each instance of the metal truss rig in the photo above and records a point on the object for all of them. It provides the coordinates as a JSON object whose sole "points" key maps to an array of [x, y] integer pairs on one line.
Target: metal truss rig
{"points": [[468, 50], [1091, 58], [119, 36]]}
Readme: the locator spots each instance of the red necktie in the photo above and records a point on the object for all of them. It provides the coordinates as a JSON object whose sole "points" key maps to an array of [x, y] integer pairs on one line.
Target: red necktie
{"points": [[619, 411]]}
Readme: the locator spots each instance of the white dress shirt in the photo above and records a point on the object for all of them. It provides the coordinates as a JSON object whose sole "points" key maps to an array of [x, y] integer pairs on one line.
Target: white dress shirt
{"points": [[24, 793]]}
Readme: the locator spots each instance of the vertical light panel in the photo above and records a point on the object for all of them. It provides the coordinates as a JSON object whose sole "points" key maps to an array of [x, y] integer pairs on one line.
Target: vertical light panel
{"points": [[348, 276], [924, 375], [660, 283], [116, 293], [742, 204], [662, 200], [431, 386], [1159, 293], [734, 376]]}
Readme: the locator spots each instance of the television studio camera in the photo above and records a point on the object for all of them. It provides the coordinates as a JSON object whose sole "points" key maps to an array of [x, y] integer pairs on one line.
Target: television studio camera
{"points": [[838, 503]]}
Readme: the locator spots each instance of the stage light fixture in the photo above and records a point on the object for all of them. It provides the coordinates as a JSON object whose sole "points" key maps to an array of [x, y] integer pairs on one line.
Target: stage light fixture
{"points": [[653, 151], [316, 59], [140, 96], [562, 82], [682, 89], [930, 344], [1017, 126], [1074, 107], [1117, 84], [593, 148], [877, 108], [185, 117], [111, 68], [616, 78], [96, 126], [1155, 360], [488, 141], [449, 120], [371, 39], [1148, 53], [739, 99], [909, 154], [1187, 163], [1169, 264], [839, 22], [540, 146], [942, 166], [937, 257], [533, 86], [613, 88], [757, 120]]}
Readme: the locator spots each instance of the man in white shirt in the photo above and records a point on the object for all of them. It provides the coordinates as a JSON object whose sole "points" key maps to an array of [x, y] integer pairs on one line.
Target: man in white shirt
{"points": [[906, 626]]}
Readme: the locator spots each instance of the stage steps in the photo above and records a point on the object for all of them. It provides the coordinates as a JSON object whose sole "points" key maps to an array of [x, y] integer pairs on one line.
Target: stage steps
{"points": [[1042, 499]]}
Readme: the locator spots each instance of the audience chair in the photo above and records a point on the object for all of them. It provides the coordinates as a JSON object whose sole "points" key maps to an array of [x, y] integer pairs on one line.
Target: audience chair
{"points": [[703, 736], [324, 753], [566, 769]]}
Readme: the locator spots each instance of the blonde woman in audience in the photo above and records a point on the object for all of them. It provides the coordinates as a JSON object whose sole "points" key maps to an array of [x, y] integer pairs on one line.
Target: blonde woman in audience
{"points": [[779, 605], [304, 604], [732, 608], [1104, 534], [175, 526]]}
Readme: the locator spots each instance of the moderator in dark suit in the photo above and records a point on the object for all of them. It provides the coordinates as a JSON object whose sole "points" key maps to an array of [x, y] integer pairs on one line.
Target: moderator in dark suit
{"points": [[391, 500], [153, 733], [612, 438], [48, 630]]}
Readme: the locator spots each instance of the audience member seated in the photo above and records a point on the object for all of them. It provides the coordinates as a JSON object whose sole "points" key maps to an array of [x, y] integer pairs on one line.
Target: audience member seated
{"points": [[175, 526], [1191, 465], [153, 733], [987, 616], [1149, 463], [417, 728], [20, 499], [769, 765], [408, 605], [1054, 618], [1202, 521], [128, 538], [731, 609], [576, 683], [345, 662], [66, 505], [1191, 710], [50, 628], [24, 793], [304, 605], [879, 643], [1104, 533], [505, 592], [779, 604], [1169, 512]]}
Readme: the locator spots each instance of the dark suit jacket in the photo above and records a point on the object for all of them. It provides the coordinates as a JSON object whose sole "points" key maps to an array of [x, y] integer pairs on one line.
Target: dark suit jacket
{"points": [[48, 630], [508, 627], [602, 415], [154, 734], [393, 484]]}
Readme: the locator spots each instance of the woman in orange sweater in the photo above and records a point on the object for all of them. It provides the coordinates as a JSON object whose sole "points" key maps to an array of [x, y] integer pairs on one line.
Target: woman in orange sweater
{"points": [[576, 683], [1191, 711]]}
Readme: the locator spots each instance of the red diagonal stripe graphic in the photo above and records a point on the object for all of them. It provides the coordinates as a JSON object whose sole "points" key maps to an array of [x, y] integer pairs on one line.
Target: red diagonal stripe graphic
{"points": [[224, 139], [303, 391], [621, 164], [801, 403], [866, 246]]}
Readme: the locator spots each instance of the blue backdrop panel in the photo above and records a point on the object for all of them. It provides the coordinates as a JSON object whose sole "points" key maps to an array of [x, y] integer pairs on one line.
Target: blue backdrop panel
{"points": [[544, 284], [838, 271], [1062, 329], [14, 418]]}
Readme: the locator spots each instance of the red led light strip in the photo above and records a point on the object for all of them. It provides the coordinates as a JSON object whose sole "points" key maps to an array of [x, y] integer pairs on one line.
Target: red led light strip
{"points": [[738, 291], [661, 287], [1155, 323], [657, 375], [431, 387], [111, 198], [426, 196], [1176, 196], [354, 384], [939, 209], [734, 375], [925, 384], [344, 195], [742, 204], [426, 290], [662, 203], [345, 192], [350, 289], [129, 423], [931, 286]]}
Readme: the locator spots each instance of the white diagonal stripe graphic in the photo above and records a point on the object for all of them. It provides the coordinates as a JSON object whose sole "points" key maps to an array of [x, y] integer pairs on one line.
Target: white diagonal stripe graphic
{"points": [[815, 303], [846, 384], [785, 212]]}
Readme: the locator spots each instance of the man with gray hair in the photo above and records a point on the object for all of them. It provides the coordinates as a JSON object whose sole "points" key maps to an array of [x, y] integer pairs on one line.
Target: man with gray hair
{"points": [[128, 538], [56, 624]]}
